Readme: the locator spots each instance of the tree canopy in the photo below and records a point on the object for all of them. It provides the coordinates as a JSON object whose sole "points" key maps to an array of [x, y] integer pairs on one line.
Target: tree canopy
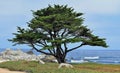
{"points": [[53, 29]]}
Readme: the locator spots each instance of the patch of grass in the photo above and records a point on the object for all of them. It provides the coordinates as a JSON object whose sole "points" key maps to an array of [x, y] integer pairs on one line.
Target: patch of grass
{"points": [[35, 67]]}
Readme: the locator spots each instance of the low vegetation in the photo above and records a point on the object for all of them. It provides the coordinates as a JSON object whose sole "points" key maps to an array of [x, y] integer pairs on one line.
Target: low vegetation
{"points": [[35, 67]]}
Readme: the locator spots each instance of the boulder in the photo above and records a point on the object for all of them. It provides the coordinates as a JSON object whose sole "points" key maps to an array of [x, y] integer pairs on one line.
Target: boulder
{"points": [[17, 55], [65, 65], [48, 58]]}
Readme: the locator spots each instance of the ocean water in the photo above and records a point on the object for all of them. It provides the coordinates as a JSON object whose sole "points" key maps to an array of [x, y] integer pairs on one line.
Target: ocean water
{"points": [[105, 56]]}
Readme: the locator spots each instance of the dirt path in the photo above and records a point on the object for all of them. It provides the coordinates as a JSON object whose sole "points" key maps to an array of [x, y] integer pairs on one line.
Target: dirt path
{"points": [[8, 71]]}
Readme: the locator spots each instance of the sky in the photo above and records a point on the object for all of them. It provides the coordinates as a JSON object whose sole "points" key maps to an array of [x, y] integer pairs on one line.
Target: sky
{"points": [[101, 16]]}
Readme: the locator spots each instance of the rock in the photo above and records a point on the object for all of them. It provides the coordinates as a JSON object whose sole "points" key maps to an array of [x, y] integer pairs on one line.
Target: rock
{"points": [[65, 65], [30, 52], [41, 56], [15, 55], [49, 58], [41, 62]]}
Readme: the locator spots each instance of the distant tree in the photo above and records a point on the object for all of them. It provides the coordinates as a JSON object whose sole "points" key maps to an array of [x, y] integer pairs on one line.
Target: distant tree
{"points": [[53, 29]]}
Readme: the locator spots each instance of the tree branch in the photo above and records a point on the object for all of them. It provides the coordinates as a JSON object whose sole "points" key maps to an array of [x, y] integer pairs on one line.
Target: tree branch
{"points": [[63, 32], [75, 47], [65, 48], [50, 51], [40, 42], [61, 50], [39, 45], [53, 51], [40, 50], [65, 52]]}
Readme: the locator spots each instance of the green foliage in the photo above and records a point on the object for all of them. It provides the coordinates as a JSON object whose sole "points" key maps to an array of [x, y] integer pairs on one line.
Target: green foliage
{"points": [[54, 21]]}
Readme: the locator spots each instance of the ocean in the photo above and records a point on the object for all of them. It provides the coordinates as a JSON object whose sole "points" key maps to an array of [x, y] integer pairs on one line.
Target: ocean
{"points": [[105, 56]]}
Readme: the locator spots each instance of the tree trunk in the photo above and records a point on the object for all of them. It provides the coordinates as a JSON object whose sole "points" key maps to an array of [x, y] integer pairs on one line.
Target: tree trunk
{"points": [[61, 59], [60, 55]]}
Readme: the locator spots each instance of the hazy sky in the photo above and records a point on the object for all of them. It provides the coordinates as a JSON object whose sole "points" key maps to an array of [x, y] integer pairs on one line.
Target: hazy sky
{"points": [[101, 16]]}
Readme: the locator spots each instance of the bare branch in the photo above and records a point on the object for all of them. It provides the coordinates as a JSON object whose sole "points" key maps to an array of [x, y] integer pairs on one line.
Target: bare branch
{"points": [[39, 45], [61, 50], [40, 42], [75, 47], [50, 51], [40, 50], [54, 50], [65, 47], [63, 32]]}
